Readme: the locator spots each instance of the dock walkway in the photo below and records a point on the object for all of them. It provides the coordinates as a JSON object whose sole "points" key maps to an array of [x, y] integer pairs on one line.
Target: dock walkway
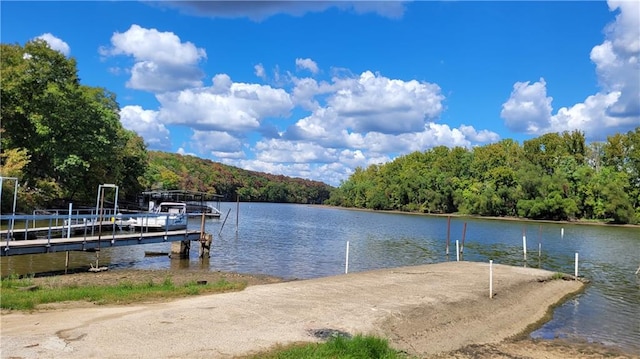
{"points": [[83, 234]]}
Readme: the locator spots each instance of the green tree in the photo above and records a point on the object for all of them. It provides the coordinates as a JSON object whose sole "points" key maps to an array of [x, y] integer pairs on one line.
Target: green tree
{"points": [[72, 132]]}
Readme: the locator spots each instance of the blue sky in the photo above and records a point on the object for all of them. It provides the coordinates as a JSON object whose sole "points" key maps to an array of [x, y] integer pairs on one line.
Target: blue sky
{"points": [[315, 89]]}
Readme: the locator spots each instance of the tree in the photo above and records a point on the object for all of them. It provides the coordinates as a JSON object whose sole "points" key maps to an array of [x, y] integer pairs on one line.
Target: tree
{"points": [[71, 132]]}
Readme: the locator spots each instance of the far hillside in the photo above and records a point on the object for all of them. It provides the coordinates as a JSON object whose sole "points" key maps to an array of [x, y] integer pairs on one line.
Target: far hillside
{"points": [[175, 171]]}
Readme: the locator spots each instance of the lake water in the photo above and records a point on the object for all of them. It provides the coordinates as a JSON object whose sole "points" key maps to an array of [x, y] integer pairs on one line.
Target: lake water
{"points": [[299, 241]]}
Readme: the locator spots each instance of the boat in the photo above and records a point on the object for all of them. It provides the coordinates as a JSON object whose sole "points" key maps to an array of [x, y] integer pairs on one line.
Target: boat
{"points": [[169, 216], [198, 203]]}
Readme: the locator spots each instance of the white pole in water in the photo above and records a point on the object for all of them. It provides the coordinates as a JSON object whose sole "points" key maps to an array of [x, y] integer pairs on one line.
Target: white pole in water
{"points": [[561, 232], [69, 228], [576, 267], [524, 246], [491, 278], [457, 250], [346, 263], [539, 249]]}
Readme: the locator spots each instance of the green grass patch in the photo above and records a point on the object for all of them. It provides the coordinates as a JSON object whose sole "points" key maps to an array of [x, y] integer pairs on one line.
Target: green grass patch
{"points": [[337, 347], [557, 275], [21, 294]]}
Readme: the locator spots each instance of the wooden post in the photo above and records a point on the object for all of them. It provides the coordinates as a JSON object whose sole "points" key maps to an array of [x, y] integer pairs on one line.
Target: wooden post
{"points": [[237, 211], [181, 248], [464, 234], [205, 246], [225, 221], [491, 278], [66, 262]]}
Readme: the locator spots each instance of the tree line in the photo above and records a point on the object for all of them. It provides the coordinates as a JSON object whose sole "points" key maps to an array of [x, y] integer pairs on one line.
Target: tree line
{"points": [[175, 171], [556, 176], [61, 139]]}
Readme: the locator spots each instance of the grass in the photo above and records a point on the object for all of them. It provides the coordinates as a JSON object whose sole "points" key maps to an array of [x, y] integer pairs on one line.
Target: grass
{"points": [[337, 347], [20, 293], [557, 275]]}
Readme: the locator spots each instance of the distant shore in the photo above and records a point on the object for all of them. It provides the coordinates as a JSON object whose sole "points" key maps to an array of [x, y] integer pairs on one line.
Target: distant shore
{"points": [[494, 218]]}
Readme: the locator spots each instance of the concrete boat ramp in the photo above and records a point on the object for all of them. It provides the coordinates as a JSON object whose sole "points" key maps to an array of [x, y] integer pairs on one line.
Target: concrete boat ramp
{"points": [[422, 310]]}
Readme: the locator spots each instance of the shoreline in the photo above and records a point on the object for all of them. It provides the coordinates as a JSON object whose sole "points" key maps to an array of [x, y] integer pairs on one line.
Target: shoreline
{"points": [[434, 310], [491, 218]]}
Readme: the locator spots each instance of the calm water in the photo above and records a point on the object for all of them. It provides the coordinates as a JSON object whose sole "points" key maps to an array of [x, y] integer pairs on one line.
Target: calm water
{"points": [[297, 241]]}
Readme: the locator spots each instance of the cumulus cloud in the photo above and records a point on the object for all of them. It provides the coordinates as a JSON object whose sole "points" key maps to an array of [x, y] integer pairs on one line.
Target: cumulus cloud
{"points": [[363, 104], [276, 150], [220, 144], [162, 61], [225, 106], [305, 127], [307, 64], [616, 108], [55, 43], [373, 102], [260, 10], [528, 108], [146, 124]]}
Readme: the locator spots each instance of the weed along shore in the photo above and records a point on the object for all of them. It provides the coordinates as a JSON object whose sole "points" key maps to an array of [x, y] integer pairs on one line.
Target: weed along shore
{"points": [[425, 311]]}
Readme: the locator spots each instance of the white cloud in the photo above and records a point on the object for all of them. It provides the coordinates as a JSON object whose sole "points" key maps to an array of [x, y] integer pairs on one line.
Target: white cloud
{"points": [[617, 59], [307, 64], [154, 77], [184, 152], [276, 150], [153, 45], [376, 103], [260, 72], [55, 43], [221, 143], [616, 108], [162, 61], [482, 136], [225, 106], [528, 108], [146, 124]]}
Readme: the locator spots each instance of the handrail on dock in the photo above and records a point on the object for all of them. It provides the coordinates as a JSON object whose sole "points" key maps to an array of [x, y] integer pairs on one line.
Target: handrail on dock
{"points": [[63, 230]]}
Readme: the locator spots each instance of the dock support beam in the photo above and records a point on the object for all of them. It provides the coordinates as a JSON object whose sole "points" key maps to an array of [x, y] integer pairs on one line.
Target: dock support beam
{"points": [[180, 249], [205, 245]]}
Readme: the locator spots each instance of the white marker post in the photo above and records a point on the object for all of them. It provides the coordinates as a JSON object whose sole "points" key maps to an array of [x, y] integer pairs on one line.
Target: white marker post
{"points": [[524, 246], [346, 263], [575, 272], [457, 250], [491, 278], [69, 228], [561, 233], [539, 249]]}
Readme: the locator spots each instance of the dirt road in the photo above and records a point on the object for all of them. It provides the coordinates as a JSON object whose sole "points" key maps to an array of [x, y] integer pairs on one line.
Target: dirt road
{"points": [[423, 310]]}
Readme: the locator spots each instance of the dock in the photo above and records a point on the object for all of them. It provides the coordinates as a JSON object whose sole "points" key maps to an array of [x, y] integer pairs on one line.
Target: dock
{"points": [[80, 233]]}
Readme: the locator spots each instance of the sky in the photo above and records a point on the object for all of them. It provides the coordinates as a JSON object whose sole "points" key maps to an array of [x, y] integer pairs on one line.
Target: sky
{"points": [[315, 89]]}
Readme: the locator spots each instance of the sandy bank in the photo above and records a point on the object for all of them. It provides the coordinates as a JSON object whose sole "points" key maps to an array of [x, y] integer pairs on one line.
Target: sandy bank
{"points": [[423, 310]]}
